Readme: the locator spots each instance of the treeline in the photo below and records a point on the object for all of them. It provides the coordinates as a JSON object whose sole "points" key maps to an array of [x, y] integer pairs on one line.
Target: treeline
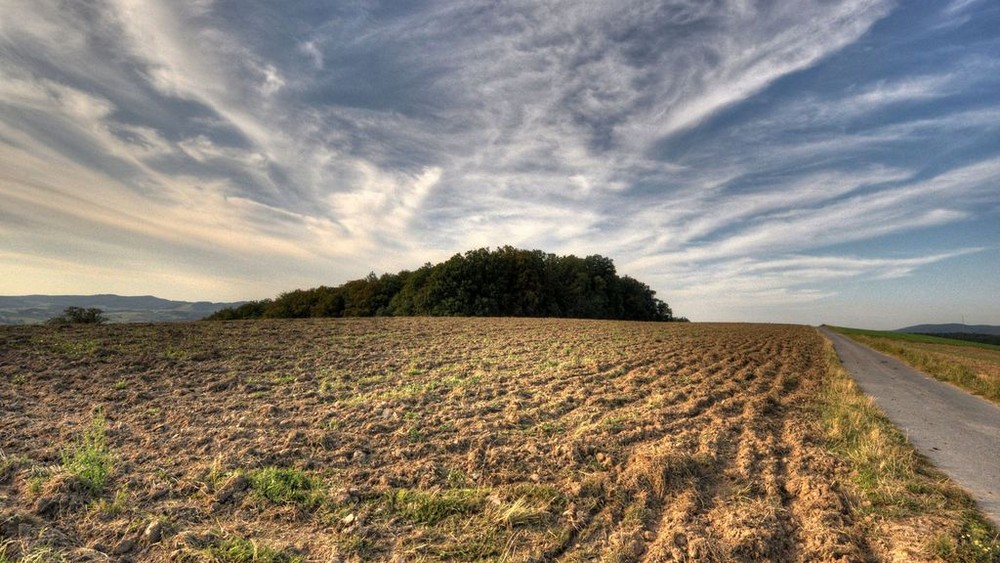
{"points": [[506, 282]]}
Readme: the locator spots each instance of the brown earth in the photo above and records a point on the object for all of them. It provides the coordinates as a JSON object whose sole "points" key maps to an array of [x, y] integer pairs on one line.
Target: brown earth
{"points": [[423, 439]]}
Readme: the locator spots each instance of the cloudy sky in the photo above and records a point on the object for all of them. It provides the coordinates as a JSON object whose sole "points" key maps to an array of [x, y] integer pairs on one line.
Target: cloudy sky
{"points": [[809, 161]]}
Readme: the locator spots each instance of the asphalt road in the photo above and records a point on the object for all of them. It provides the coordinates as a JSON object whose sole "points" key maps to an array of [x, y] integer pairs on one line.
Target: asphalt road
{"points": [[959, 432]]}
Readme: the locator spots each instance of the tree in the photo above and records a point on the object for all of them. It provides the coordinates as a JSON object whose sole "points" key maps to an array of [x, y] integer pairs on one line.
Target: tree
{"points": [[485, 283], [79, 315]]}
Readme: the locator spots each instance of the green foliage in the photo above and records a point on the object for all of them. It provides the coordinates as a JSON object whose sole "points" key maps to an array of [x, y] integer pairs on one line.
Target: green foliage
{"points": [[89, 459], [79, 315], [506, 282], [285, 486], [242, 550], [249, 310], [431, 507]]}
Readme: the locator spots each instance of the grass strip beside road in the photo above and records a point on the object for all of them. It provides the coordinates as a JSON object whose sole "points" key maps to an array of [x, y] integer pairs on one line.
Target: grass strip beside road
{"points": [[972, 366], [899, 495]]}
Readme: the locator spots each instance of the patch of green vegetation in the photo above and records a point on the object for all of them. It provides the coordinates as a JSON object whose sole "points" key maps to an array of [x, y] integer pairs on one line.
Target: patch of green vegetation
{"points": [[285, 486], [977, 542], [431, 507], [282, 379], [455, 477], [90, 459], [115, 506], [76, 348], [37, 476], [120, 384], [173, 353], [356, 544], [551, 427], [236, 549]]}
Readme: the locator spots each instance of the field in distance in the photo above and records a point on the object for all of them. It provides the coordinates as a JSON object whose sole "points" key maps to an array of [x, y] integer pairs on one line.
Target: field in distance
{"points": [[974, 366], [422, 439]]}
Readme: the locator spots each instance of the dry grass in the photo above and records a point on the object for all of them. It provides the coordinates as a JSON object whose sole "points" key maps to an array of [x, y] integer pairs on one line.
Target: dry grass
{"points": [[432, 439]]}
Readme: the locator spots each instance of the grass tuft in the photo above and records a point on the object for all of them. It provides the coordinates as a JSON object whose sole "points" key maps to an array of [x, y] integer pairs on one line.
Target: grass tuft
{"points": [[431, 507], [89, 459], [285, 486], [236, 549]]}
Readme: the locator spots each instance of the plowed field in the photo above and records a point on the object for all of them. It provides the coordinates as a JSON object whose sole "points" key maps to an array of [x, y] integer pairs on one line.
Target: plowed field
{"points": [[417, 439]]}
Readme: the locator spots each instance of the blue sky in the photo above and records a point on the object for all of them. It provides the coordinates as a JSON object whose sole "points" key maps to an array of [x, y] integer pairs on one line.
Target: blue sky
{"points": [[808, 161]]}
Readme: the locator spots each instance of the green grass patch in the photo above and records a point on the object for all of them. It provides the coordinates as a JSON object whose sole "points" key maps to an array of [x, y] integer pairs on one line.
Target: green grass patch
{"points": [[431, 507], [285, 486], [90, 459], [235, 549], [115, 506]]}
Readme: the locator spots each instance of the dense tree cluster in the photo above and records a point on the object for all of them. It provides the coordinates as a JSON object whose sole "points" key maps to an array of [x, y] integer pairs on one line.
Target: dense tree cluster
{"points": [[506, 282]]}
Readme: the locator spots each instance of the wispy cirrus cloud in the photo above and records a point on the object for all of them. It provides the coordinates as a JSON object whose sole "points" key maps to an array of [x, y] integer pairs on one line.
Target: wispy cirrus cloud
{"points": [[714, 147]]}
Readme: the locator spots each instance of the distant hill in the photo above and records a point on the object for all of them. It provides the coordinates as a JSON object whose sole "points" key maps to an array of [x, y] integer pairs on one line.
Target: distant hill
{"points": [[952, 328], [33, 309]]}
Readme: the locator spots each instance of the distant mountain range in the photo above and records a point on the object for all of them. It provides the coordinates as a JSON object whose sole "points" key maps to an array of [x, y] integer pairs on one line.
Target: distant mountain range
{"points": [[952, 328], [33, 309]]}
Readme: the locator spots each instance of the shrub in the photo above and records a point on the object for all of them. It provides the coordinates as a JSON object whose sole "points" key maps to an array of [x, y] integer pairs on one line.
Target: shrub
{"points": [[79, 315]]}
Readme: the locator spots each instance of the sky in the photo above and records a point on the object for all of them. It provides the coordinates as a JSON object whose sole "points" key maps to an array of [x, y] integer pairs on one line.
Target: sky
{"points": [[812, 162]]}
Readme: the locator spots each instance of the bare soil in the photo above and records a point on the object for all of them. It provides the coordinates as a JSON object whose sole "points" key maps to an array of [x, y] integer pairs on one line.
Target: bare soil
{"points": [[423, 439]]}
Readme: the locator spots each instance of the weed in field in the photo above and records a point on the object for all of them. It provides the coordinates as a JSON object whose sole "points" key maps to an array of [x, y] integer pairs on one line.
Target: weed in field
{"points": [[549, 427], [173, 353], [283, 379], [89, 459], [115, 506], [977, 543], [355, 544], [120, 385], [37, 476], [236, 549], [431, 507], [75, 348], [455, 478], [9, 465], [285, 486]]}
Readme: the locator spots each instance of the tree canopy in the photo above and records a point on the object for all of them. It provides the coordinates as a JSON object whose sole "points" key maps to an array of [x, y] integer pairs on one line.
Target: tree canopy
{"points": [[506, 282]]}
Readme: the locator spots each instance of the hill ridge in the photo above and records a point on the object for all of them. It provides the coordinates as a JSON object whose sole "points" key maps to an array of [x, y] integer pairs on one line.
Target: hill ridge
{"points": [[37, 308]]}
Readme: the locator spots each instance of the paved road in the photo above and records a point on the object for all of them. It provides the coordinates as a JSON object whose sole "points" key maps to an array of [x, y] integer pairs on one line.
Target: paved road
{"points": [[957, 431]]}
